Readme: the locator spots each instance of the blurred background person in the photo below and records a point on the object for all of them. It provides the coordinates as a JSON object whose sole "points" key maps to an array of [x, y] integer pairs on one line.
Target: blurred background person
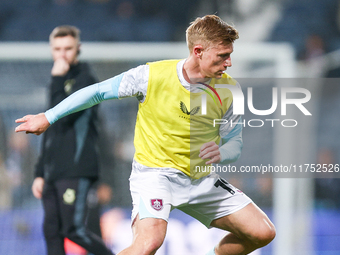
{"points": [[68, 165]]}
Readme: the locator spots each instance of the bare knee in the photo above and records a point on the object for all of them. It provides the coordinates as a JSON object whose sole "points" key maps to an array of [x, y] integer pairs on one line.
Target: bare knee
{"points": [[263, 235]]}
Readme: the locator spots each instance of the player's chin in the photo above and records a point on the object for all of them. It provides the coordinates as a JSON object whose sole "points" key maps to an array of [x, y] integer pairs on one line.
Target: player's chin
{"points": [[218, 75]]}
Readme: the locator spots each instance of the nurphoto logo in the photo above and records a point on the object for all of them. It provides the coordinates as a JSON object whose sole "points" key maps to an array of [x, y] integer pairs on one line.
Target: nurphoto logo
{"points": [[239, 104]]}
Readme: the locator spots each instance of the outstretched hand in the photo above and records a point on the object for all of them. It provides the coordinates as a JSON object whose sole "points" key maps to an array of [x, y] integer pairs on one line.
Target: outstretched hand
{"points": [[210, 151], [32, 124]]}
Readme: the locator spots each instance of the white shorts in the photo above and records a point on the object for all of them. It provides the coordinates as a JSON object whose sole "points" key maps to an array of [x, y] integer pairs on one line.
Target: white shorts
{"points": [[157, 191]]}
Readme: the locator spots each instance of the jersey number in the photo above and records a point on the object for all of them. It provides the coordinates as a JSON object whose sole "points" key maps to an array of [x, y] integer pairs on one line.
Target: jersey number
{"points": [[225, 185]]}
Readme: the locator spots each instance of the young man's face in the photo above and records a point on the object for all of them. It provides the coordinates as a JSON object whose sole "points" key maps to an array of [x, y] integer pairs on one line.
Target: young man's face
{"points": [[215, 60], [65, 47]]}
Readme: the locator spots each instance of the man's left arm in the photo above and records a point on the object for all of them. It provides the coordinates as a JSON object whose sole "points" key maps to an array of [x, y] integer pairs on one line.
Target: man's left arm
{"points": [[228, 152], [231, 134], [231, 148]]}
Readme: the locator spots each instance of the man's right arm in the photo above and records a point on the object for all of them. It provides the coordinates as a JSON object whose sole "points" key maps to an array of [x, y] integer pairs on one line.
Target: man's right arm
{"points": [[86, 98], [80, 100]]}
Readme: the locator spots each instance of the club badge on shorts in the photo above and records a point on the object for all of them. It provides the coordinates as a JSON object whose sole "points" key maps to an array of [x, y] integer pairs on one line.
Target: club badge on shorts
{"points": [[157, 204]]}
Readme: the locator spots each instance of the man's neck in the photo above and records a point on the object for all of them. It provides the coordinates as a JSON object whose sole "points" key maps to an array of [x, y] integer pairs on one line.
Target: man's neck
{"points": [[192, 72]]}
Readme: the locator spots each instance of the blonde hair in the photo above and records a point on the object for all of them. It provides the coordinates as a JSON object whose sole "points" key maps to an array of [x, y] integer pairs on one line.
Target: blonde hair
{"points": [[208, 30], [66, 30]]}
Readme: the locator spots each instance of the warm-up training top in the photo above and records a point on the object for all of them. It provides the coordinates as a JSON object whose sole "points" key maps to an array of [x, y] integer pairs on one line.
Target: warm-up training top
{"points": [[171, 125]]}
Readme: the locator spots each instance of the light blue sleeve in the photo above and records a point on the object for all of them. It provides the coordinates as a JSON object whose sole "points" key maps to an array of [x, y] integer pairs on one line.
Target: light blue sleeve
{"points": [[85, 98], [231, 148]]}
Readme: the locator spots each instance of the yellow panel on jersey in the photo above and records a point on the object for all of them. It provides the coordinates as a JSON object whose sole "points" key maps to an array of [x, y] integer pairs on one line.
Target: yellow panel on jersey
{"points": [[170, 128]]}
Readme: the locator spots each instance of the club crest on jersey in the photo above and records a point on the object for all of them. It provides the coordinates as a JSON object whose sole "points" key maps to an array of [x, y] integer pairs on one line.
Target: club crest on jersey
{"points": [[68, 86], [157, 204], [69, 196]]}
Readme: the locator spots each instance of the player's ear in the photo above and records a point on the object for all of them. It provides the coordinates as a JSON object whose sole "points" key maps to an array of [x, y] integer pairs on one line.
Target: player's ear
{"points": [[78, 51], [197, 50]]}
